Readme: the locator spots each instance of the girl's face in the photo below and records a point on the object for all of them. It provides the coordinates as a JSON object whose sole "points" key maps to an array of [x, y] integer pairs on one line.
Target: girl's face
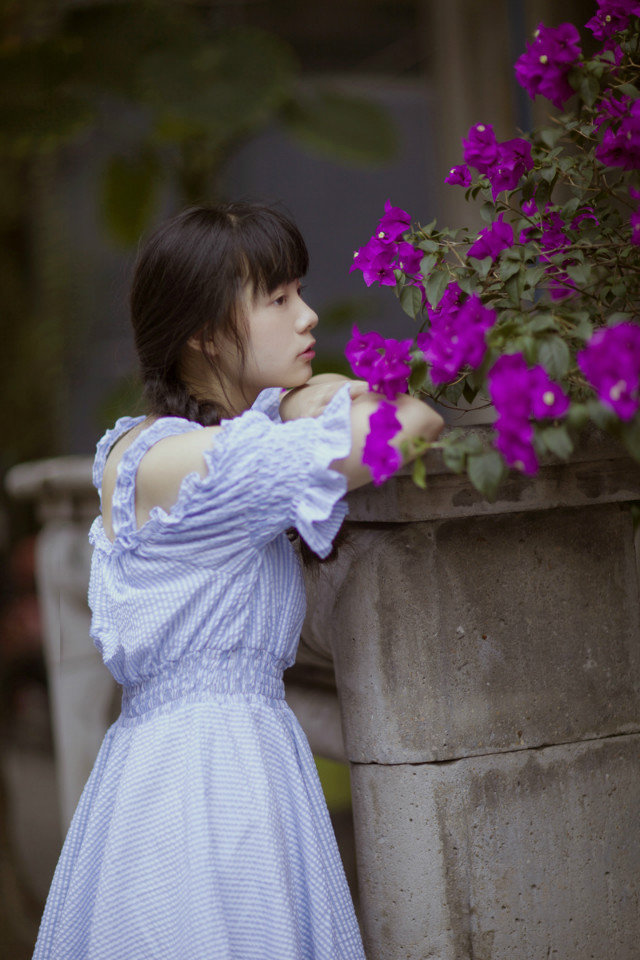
{"points": [[279, 342]]}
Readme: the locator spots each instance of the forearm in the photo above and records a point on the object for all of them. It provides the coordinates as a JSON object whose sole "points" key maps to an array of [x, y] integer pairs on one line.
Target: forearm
{"points": [[417, 419], [311, 399]]}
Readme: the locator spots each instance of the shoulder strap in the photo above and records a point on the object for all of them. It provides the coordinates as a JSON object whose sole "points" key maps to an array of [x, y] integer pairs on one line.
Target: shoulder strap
{"points": [[111, 437], [123, 510]]}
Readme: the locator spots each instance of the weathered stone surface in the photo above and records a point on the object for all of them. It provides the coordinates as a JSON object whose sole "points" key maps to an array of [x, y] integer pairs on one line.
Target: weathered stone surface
{"points": [[599, 472], [533, 854], [469, 636]]}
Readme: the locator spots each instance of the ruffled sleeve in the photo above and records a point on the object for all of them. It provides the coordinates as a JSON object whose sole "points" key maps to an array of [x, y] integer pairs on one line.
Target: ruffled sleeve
{"points": [[268, 401], [264, 477]]}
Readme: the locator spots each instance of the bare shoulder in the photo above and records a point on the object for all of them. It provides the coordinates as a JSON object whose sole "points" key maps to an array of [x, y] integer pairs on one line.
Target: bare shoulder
{"points": [[160, 473], [166, 464]]}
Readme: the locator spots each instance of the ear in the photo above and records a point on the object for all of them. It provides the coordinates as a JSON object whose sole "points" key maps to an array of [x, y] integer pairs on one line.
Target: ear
{"points": [[194, 342]]}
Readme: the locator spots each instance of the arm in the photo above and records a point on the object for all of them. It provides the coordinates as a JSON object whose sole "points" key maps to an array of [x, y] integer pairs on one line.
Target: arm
{"points": [[416, 417], [311, 399]]}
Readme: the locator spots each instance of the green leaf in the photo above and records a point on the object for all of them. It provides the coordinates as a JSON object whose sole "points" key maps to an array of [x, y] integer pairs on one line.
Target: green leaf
{"points": [[129, 188], [542, 322], [488, 212], [577, 415], [471, 443], [589, 88], [222, 89], [469, 392], [543, 194], [549, 136], [514, 286], [630, 434], [602, 416], [486, 472], [465, 283], [581, 273], [482, 266], [584, 329], [558, 441], [430, 246], [418, 375], [508, 268], [435, 286], [453, 391], [427, 263], [419, 473], [533, 276], [113, 40], [411, 300], [454, 457], [345, 127], [629, 90], [38, 110], [553, 354]]}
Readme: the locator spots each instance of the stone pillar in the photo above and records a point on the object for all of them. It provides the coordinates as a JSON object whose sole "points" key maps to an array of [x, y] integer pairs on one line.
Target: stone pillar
{"points": [[80, 687], [487, 660]]}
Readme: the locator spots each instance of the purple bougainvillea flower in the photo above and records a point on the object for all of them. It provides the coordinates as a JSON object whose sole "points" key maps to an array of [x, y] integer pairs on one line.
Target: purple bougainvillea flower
{"points": [[519, 393], [365, 254], [456, 337], [612, 108], [544, 67], [514, 440], [382, 459], [492, 240], [384, 363], [529, 207], [584, 213], [480, 147], [620, 145], [450, 299], [512, 163], [552, 238], [363, 352], [459, 176], [611, 363], [409, 257], [394, 223], [391, 374], [612, 17], [547, 398], [381, 269], [508, 386], [560, 283]]}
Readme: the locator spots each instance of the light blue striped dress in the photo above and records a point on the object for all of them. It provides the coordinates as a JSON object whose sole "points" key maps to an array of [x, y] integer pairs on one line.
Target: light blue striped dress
{"points": [[202, 832]]}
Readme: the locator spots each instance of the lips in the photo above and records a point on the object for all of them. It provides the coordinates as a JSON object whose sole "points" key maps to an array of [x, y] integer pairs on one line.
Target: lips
{"points": [[309, 352]]}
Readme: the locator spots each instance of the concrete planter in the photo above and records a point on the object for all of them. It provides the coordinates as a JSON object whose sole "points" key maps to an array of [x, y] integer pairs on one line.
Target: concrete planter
{"points": [[487, 660]]}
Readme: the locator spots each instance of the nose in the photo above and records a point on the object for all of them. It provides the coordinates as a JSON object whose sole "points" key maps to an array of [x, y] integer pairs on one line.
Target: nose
{"points": [[307, 318]]}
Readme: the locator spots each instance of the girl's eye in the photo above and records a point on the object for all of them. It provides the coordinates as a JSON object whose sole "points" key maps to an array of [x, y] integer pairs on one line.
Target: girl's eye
{"points": [[280, 301]]}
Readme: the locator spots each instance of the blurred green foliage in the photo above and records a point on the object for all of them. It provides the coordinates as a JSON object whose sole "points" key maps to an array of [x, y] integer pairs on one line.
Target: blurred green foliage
{"points": [[196, 86]]}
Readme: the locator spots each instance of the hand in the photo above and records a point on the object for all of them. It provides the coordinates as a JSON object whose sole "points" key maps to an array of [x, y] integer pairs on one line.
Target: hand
{"points": [[312, 399]]}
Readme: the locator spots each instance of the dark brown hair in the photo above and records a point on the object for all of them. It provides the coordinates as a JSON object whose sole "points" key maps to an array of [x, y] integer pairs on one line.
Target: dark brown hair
{"points": [[190, 278]]}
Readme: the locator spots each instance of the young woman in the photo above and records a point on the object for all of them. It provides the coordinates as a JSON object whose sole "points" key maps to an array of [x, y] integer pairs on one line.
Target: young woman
{"points": [[202, 833]]}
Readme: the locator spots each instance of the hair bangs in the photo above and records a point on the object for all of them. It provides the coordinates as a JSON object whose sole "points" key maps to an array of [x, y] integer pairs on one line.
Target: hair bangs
{"points": [[270, 247]]}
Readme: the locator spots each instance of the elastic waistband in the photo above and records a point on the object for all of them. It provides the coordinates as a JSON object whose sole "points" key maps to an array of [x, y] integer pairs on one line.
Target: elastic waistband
{"points": [[208, 671]]}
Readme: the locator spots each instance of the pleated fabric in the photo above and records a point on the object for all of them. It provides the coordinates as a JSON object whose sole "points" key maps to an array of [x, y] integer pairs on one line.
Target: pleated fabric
{"points": [[202, 832]]}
